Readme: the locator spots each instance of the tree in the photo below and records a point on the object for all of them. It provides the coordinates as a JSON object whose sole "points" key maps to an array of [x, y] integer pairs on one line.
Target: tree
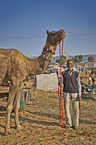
{"points": [[80, 57], [91, 59], [57, 61], [64, 59], [77, 58]]}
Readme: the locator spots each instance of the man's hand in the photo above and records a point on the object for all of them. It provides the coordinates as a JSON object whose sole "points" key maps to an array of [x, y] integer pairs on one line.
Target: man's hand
{"points": [[59, 83], [78, 98]]}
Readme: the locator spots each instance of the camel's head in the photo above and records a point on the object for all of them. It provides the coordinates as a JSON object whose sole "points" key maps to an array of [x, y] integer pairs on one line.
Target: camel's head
{"points": [[55, 37]]}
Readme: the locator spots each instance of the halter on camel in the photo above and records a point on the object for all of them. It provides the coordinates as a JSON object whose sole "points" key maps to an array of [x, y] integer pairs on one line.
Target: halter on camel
{"points": [[62, 121]]}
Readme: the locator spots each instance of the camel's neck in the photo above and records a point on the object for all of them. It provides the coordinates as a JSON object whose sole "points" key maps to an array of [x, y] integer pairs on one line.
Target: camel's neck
{"points": [[40, 64]]}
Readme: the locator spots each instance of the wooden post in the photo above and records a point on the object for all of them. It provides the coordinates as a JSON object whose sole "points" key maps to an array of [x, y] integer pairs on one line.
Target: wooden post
{"points": [[60, 88]]}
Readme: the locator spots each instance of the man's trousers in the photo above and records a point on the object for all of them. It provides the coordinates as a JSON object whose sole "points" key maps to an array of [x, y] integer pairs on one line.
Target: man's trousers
{"points": [[68, 98]]}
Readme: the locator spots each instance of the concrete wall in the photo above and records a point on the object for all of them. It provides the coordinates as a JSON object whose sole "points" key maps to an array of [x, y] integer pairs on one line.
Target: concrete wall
{"points": [[47, 82]]}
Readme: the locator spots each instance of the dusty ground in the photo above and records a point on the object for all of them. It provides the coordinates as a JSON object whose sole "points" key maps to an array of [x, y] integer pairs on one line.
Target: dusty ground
{"points": [[41, 123]]}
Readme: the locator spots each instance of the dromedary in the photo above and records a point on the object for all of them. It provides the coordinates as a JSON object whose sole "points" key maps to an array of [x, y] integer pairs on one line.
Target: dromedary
{"points": [[15, 68]]}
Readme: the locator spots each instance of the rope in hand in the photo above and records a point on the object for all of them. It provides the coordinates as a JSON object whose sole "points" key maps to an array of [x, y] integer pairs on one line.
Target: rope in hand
{"points": [[62, 122]]}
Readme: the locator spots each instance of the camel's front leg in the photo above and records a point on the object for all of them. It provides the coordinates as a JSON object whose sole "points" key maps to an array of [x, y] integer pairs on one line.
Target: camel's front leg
{"points": [[9, 108], [16, 107], [8, 112]]}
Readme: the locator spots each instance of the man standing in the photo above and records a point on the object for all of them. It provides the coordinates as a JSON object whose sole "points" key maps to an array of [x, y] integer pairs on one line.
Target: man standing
{"points": [[72, 92]]}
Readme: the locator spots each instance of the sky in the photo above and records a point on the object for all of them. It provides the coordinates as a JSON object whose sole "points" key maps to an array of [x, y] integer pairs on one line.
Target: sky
{"points": [[23, 25]]}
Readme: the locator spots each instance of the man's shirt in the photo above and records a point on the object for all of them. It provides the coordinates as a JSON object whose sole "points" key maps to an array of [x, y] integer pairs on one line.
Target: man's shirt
{"points": [[77, 80]]}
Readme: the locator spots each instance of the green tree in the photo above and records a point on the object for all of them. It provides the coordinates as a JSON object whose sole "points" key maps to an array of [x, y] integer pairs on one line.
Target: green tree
{"points": [[80, 57], [64, 59], [91, 59], [77, 58], [57, 61]]}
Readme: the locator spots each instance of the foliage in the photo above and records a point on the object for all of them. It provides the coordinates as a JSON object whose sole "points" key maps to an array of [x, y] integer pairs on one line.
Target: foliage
{"points": [[64, 59], [91, 59], [77, 58], [57, 61]]}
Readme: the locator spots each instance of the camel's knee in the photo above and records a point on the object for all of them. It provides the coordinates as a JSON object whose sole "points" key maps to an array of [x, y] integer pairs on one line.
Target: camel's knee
{"points": [[16, 107], [9, 108]]}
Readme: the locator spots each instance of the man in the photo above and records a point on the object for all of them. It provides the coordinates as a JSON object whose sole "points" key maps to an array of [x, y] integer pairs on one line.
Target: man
{"points": [[72, 92], [92, 76]]}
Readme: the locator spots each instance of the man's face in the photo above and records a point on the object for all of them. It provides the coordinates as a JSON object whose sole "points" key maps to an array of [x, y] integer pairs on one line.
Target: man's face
{"points": [[70, 65]]}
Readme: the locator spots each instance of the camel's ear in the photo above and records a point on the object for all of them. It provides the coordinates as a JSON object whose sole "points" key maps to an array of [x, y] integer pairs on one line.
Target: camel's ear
{"points": [[47, 32]]}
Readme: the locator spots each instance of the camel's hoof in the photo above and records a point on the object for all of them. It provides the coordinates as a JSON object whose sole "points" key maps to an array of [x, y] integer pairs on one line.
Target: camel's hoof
{"points": [[19, 127], [8, 133]]}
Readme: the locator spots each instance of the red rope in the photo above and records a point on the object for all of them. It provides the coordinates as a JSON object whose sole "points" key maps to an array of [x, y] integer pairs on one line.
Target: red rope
{"points": [[62, 122]]}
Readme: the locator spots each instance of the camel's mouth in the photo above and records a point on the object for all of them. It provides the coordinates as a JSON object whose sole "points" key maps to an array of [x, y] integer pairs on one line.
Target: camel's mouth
{"points": [[63, 37]]}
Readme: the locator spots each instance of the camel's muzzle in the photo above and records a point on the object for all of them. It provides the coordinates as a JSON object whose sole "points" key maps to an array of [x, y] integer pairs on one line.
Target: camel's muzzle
{"points": [[63, 34]]}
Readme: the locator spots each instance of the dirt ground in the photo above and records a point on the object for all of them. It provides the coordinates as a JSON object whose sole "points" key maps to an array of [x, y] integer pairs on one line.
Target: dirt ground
{"points": [[41, 123]]}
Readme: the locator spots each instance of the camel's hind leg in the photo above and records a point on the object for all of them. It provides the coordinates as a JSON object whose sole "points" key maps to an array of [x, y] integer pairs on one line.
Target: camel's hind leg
{"points": [[17, 106], [9, 108]]}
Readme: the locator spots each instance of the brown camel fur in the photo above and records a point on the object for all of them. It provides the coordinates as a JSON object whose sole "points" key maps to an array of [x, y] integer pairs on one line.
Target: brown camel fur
{"points": [[15, 68]]}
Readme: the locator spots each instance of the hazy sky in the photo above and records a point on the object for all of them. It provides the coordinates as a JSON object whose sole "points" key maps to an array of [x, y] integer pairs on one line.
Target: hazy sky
{"points": [[23, 24]]}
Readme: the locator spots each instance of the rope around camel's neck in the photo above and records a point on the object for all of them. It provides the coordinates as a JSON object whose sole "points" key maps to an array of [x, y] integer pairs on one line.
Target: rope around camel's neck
{"points": [[48, 52], [40, 64]]}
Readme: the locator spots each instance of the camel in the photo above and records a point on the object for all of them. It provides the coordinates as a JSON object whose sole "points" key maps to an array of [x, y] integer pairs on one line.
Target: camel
{"points": [[15, 68]]}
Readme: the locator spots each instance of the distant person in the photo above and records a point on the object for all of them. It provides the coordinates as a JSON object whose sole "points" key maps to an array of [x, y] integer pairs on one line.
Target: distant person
{"points": [[92, 71], [72, 92], [57, 72], [92, 76], [89, 80], [93, 79], [86, 72]]}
